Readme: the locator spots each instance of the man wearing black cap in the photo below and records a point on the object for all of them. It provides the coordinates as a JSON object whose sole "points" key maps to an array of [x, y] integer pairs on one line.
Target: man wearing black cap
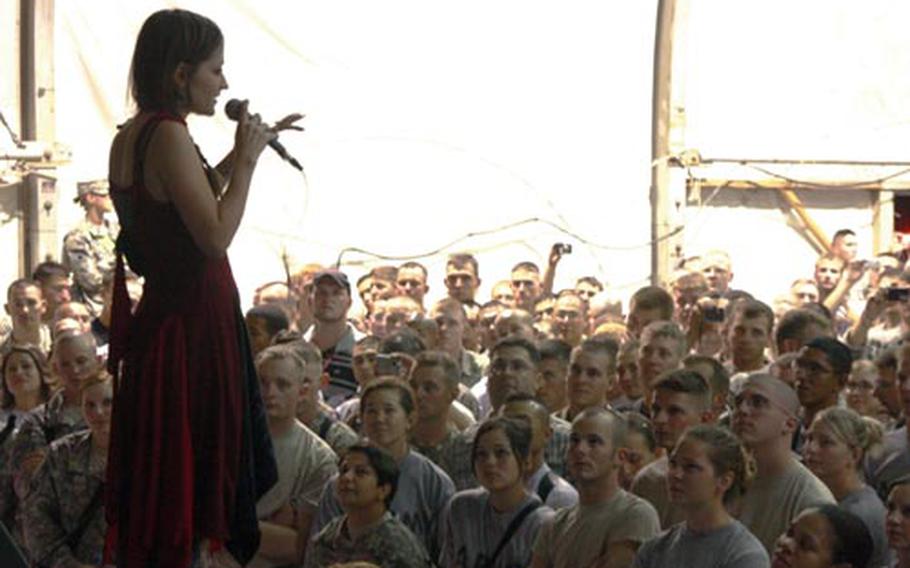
{"points": [[332, 333], [822, 367], [88, 250]]}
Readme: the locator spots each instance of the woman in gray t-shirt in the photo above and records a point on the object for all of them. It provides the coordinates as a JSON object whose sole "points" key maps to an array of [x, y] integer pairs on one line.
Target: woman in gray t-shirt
{"points": [[708, 468], [834, 448], [475, 523]]}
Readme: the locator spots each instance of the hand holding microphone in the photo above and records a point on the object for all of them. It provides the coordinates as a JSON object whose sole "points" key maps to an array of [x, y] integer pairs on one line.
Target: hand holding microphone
{"points": [[237, 110]]}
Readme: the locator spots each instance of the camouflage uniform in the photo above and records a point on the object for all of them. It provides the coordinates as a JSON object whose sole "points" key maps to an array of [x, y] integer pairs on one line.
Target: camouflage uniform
{"points": [[88, 251], [388, 544], [65, 486], [338, 435], [442, 454]]}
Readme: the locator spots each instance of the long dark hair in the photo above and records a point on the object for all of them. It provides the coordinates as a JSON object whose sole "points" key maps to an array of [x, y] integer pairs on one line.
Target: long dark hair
{"points": [[8, 399], [167, 39]]}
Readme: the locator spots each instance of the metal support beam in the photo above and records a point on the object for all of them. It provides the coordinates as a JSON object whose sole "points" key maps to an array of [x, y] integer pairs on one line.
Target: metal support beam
{"points": [[661, 247]]}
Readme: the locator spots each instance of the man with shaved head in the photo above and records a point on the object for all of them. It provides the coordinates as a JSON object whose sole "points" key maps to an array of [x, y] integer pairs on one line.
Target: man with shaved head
{"points": [[765, 415], [555, 492]]}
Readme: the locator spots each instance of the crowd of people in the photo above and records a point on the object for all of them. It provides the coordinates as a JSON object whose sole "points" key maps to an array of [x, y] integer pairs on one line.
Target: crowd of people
{"points": [[694, 426], [146, 421]]}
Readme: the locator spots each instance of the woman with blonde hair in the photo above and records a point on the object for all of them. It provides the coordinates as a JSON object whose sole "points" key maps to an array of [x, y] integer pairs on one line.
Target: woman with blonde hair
{"points": [[709, 470], [836, 443]]}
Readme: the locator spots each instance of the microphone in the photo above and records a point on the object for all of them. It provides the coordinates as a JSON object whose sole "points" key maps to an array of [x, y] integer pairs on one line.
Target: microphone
{"points": [[233, 109]]}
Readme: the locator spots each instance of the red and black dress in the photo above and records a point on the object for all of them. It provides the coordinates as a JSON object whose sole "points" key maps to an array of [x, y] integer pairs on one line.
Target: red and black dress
{"points": [[190, 452]]}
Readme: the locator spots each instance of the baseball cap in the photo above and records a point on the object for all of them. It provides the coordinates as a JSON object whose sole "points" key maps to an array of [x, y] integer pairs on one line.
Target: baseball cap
{"points": [[336, 276]]}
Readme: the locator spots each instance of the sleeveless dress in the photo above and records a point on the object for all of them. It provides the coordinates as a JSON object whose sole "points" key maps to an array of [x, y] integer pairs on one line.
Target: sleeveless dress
{"points": [[190, 451]]}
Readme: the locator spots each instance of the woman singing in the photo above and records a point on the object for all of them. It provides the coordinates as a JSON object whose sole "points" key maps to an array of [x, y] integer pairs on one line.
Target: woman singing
{"points": [[190, 452]]}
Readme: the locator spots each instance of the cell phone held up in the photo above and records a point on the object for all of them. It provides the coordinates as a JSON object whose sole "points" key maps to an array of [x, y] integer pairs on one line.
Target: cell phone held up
{"points": [[563, 248], [713, 314]]}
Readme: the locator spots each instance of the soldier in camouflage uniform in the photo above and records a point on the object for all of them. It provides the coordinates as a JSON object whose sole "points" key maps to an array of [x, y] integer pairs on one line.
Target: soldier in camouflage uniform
{"points": [[63, 514], [88, 250], [367, 531]]}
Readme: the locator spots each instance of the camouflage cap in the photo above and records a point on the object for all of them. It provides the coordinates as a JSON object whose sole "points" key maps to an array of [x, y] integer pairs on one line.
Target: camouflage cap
{"points": [[93, 187]]}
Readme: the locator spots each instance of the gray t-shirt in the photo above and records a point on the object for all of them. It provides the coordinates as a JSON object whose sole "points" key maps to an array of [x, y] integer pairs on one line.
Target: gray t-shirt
{"points": [[866, 505], [771, 503], [472, 529], [561, 495], [422, 493], [579, 535], [731, 546], [651, 484]]}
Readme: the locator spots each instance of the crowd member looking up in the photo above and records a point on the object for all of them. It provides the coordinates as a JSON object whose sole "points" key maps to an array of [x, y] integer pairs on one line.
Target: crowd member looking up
{"points": [[74, 362], [798, 327], [682, 399], [822, 368], [332, 333], [804, 291], [717, 377], [887, 389], [26, 308], [570, 321], [75, 311], [835, 446], [553, 490], [648, 305], [828, 269], [513, 370], [392, 314], [412, 281], [526, 285], [824, 536], [502, 293], [305, 462], [661, 349], [364, 287], [63, 517], [315, 415], [435, 382], [639, 448], [749, 335], [365, 489], [384, 282], [893, 461], [717, 269], [765, 417], [56, 286], [592, 371], [88, 249], [451, 318], [388, 413], [628, 376], [608, 524], [898, 521], [587, 287], [687, 287], [860, 391], [709, 470], [462, 277], [476, 522], [554, 367], [263, 323], [845, 245], [25, 375]]}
